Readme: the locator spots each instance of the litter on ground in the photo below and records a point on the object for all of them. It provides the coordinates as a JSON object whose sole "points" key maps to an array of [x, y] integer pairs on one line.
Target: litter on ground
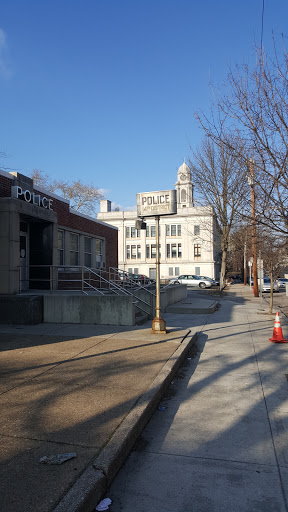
{"points": [[57, 459], [104, 504]]}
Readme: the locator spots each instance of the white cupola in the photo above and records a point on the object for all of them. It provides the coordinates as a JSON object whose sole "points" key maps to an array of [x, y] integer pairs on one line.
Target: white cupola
{"points": [[184, 187]]}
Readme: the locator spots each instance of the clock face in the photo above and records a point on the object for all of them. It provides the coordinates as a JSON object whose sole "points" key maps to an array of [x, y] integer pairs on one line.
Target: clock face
{"points": [[182, 177]]}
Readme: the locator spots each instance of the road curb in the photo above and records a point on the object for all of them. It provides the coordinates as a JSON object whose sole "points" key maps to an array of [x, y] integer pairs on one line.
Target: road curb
{"points": [[90, 487]]}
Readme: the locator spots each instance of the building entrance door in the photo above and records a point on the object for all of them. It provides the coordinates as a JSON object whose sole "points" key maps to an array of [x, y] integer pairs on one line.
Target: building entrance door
{"points": [[24, 262]]}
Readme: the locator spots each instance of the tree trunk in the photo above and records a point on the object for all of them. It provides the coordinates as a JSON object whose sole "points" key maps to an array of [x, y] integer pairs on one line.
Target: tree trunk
{"points": [[223, 267]]}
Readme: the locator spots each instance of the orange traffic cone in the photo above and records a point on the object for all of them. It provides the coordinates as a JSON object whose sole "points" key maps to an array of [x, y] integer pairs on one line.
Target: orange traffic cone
{"points": [[277, 332]]}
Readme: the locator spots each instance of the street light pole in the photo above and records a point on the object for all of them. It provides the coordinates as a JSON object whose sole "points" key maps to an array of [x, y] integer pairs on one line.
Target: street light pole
{"points": [[253, 222], [158, 324]]}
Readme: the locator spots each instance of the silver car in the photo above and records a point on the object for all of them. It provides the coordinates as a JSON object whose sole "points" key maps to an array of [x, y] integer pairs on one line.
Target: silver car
{"points": [[192, 280], [267, 285], [282, 282], [213, 281]]}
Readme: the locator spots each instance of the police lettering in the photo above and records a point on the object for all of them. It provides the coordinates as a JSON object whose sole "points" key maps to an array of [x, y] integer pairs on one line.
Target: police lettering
{"points": [[31, 197], [152, 200]]}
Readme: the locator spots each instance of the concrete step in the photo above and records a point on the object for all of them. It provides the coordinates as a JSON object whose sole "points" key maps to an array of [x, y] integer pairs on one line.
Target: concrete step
{"points": [[193, 306]]}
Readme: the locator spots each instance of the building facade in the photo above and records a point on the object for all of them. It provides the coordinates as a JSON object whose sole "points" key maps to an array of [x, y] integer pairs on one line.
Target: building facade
{"points": [[189, 240], [39, 232]]}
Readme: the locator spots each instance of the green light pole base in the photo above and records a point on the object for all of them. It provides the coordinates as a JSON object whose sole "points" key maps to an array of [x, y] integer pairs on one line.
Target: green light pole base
{"points": [[159, 326]]}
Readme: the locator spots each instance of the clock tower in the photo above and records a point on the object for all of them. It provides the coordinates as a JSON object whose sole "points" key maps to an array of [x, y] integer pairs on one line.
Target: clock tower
{"points": [[184, 187]]}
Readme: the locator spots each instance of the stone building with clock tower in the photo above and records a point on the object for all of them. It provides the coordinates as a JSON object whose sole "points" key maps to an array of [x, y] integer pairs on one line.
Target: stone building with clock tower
{"points": [[189, 240]]}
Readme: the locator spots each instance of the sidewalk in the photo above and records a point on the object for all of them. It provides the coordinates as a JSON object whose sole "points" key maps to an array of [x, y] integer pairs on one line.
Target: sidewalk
{"points": [[83, 389], [221, 443], [91, 390]]}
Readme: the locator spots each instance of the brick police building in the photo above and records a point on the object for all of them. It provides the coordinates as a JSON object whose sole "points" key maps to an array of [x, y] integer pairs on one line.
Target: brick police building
{"points": [[39, 233]]}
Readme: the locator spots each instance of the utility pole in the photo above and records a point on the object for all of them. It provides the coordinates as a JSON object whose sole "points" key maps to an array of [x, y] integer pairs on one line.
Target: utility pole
{"points": [[244, 274], [253, 223]]}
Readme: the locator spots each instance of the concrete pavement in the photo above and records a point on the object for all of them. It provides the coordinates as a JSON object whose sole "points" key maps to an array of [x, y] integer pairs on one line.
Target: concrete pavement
{"points": [[75, 388], [91, 390], [221, 443]]}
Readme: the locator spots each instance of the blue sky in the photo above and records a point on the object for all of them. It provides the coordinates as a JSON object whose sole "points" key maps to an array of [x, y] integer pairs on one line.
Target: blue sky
{"points": [[106, 90]]}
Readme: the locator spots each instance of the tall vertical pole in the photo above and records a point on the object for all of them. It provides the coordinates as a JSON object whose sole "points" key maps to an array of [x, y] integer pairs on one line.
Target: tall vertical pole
{"points": [[158, 324], [253, 222], [244, 273]]}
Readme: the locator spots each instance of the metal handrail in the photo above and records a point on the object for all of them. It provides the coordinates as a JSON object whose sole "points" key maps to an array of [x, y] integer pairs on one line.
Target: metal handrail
{"points": [[124, 292], [54, 280], [134, 282]]}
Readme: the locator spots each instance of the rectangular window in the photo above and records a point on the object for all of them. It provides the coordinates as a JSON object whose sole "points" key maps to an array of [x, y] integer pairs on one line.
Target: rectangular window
{"points": [[196, 230], [74, 249], [153, 251], [167, 230], [130, 270], [173, 230], [173, 250], [133, 252], [147, 230], [147, 251], [179, 250], [179, 230], [168, 250], [60, 247], [197, 251], [127, 232], [197, 271], [138, 233], [138, 253], [152, 231], [132, 232], [99, 253], [99, 250], [136, 271], [177, 271], [128, 253], [170, 271], [87, 251]]}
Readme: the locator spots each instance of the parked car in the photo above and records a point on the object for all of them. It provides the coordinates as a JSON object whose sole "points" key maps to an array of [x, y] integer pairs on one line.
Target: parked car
{"points": [[267, 285], [213, 281], [282, 282], [192, 280], [128, 278], [142, 279]]}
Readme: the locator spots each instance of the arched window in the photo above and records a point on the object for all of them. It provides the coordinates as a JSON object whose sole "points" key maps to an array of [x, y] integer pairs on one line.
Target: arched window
{"points": [[183, 196]]}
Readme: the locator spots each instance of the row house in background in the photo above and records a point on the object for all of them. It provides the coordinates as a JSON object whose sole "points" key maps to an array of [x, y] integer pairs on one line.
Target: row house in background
{"points": [[40, 232], [189, 240]]}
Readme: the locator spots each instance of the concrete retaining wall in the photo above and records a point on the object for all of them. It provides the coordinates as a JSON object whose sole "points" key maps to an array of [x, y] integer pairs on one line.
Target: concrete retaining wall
{"points": [[172, 294], [168, 296], [21, 310], [77, 309], [89, 309]]}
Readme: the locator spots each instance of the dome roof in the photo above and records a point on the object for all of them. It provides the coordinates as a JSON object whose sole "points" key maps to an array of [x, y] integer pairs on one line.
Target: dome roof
{"points": [[184, 168]]}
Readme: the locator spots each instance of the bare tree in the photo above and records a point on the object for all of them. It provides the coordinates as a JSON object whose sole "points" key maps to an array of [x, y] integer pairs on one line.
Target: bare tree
{"points": [[273, 251], [221, 182], [83, 198], [40, 178], [253, 103]]}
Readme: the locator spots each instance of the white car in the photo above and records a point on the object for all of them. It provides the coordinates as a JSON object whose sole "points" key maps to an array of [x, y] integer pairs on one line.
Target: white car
{"points": [[213, 281], [267, 285], [192, 280], [282, 282]]}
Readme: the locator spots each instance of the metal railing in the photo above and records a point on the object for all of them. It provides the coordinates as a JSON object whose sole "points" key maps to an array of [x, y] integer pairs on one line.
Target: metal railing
{"points": [[80, 279], [128, 280]]}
